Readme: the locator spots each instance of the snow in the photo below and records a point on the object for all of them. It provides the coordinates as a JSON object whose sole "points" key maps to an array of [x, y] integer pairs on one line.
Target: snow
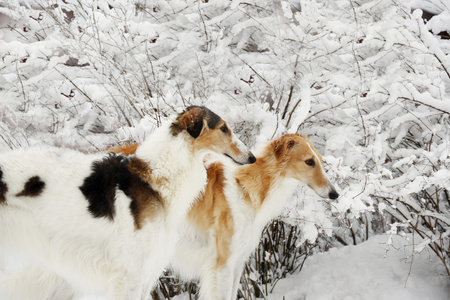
{"points": [[371, 270]]}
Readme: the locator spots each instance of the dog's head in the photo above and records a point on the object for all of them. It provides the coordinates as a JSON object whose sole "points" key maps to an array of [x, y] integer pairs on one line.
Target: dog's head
{"points": [[300, 160], [211, 133]]}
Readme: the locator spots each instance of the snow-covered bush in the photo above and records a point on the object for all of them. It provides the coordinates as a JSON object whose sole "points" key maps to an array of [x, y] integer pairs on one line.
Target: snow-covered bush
{"points": [[364, 78]]}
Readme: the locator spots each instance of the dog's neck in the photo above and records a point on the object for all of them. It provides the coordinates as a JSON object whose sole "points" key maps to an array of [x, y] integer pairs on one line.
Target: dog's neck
{"points": [[265, 187], [162, 150], [177, 170]]}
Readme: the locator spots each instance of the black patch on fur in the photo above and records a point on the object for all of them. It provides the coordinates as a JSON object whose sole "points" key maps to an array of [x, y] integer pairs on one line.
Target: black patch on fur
{"points": [[193, 122], [117, 171], [3, 188], [99, 188], [213, 119], [33, 187], [194, 129]]}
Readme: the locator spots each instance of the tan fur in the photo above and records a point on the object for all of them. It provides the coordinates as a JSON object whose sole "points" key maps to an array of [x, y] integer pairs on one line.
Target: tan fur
{"points": [[127, 149], [256, 182], [211, 212], [215, 137], [292, 150], [137, 167], [296, 156], [283, 157], [234, 149], [188, 120], [149, 203]]}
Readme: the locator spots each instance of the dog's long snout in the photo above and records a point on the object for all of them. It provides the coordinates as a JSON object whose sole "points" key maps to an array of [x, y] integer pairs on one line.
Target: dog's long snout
{"points": [[239, 152], [247, 159], [326, 192], [332, 194]]}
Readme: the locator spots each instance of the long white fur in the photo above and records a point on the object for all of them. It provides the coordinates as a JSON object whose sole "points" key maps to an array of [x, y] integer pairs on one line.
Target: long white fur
{"points": [[60, 236]]}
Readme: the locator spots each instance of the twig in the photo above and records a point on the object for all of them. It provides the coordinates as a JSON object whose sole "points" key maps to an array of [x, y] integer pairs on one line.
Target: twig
{"points": [[81, 91], [290, 93], [260, 76], [287, 103], [21, 84], [445, 69], [208, 42], [425, 104], [292, 112]]}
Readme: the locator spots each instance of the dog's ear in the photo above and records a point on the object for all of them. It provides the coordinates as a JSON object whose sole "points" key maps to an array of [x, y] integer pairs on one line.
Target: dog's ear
{"points": [[193, 120], [195, 128], [283, 146]]}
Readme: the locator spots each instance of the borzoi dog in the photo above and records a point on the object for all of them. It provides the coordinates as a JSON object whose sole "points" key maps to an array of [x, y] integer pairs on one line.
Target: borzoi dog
{"points": [[108, 224], [225, 224]]}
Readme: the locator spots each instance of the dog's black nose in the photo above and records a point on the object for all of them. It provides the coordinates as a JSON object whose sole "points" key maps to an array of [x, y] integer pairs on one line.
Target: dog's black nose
{"points": [[333, 194], [252, 158]]}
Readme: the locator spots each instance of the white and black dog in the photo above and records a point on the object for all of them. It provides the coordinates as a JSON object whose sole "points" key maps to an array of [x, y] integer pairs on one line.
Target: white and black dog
{"points": [[108, 224]]}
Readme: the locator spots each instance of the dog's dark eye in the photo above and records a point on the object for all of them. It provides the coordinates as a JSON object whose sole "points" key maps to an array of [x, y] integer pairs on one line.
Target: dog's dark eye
{"points": [[224, 128], [310, 162]]}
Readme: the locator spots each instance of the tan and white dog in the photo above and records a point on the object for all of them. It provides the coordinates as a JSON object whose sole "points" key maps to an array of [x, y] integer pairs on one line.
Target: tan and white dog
{"points": [[106, 223], [224, 225]]}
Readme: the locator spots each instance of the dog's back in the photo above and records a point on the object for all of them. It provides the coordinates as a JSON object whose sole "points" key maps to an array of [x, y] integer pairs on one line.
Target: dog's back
{"points": [[35, 175], [41, 211]]}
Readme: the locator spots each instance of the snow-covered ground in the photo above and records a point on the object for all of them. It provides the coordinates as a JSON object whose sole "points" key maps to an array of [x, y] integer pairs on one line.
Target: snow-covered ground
{"points": [[372, 270]]}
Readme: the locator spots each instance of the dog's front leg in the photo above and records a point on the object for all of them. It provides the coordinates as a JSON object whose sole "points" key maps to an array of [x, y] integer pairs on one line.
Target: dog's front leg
{"points": [[217, 283], [237, 274], [225, 280]]}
